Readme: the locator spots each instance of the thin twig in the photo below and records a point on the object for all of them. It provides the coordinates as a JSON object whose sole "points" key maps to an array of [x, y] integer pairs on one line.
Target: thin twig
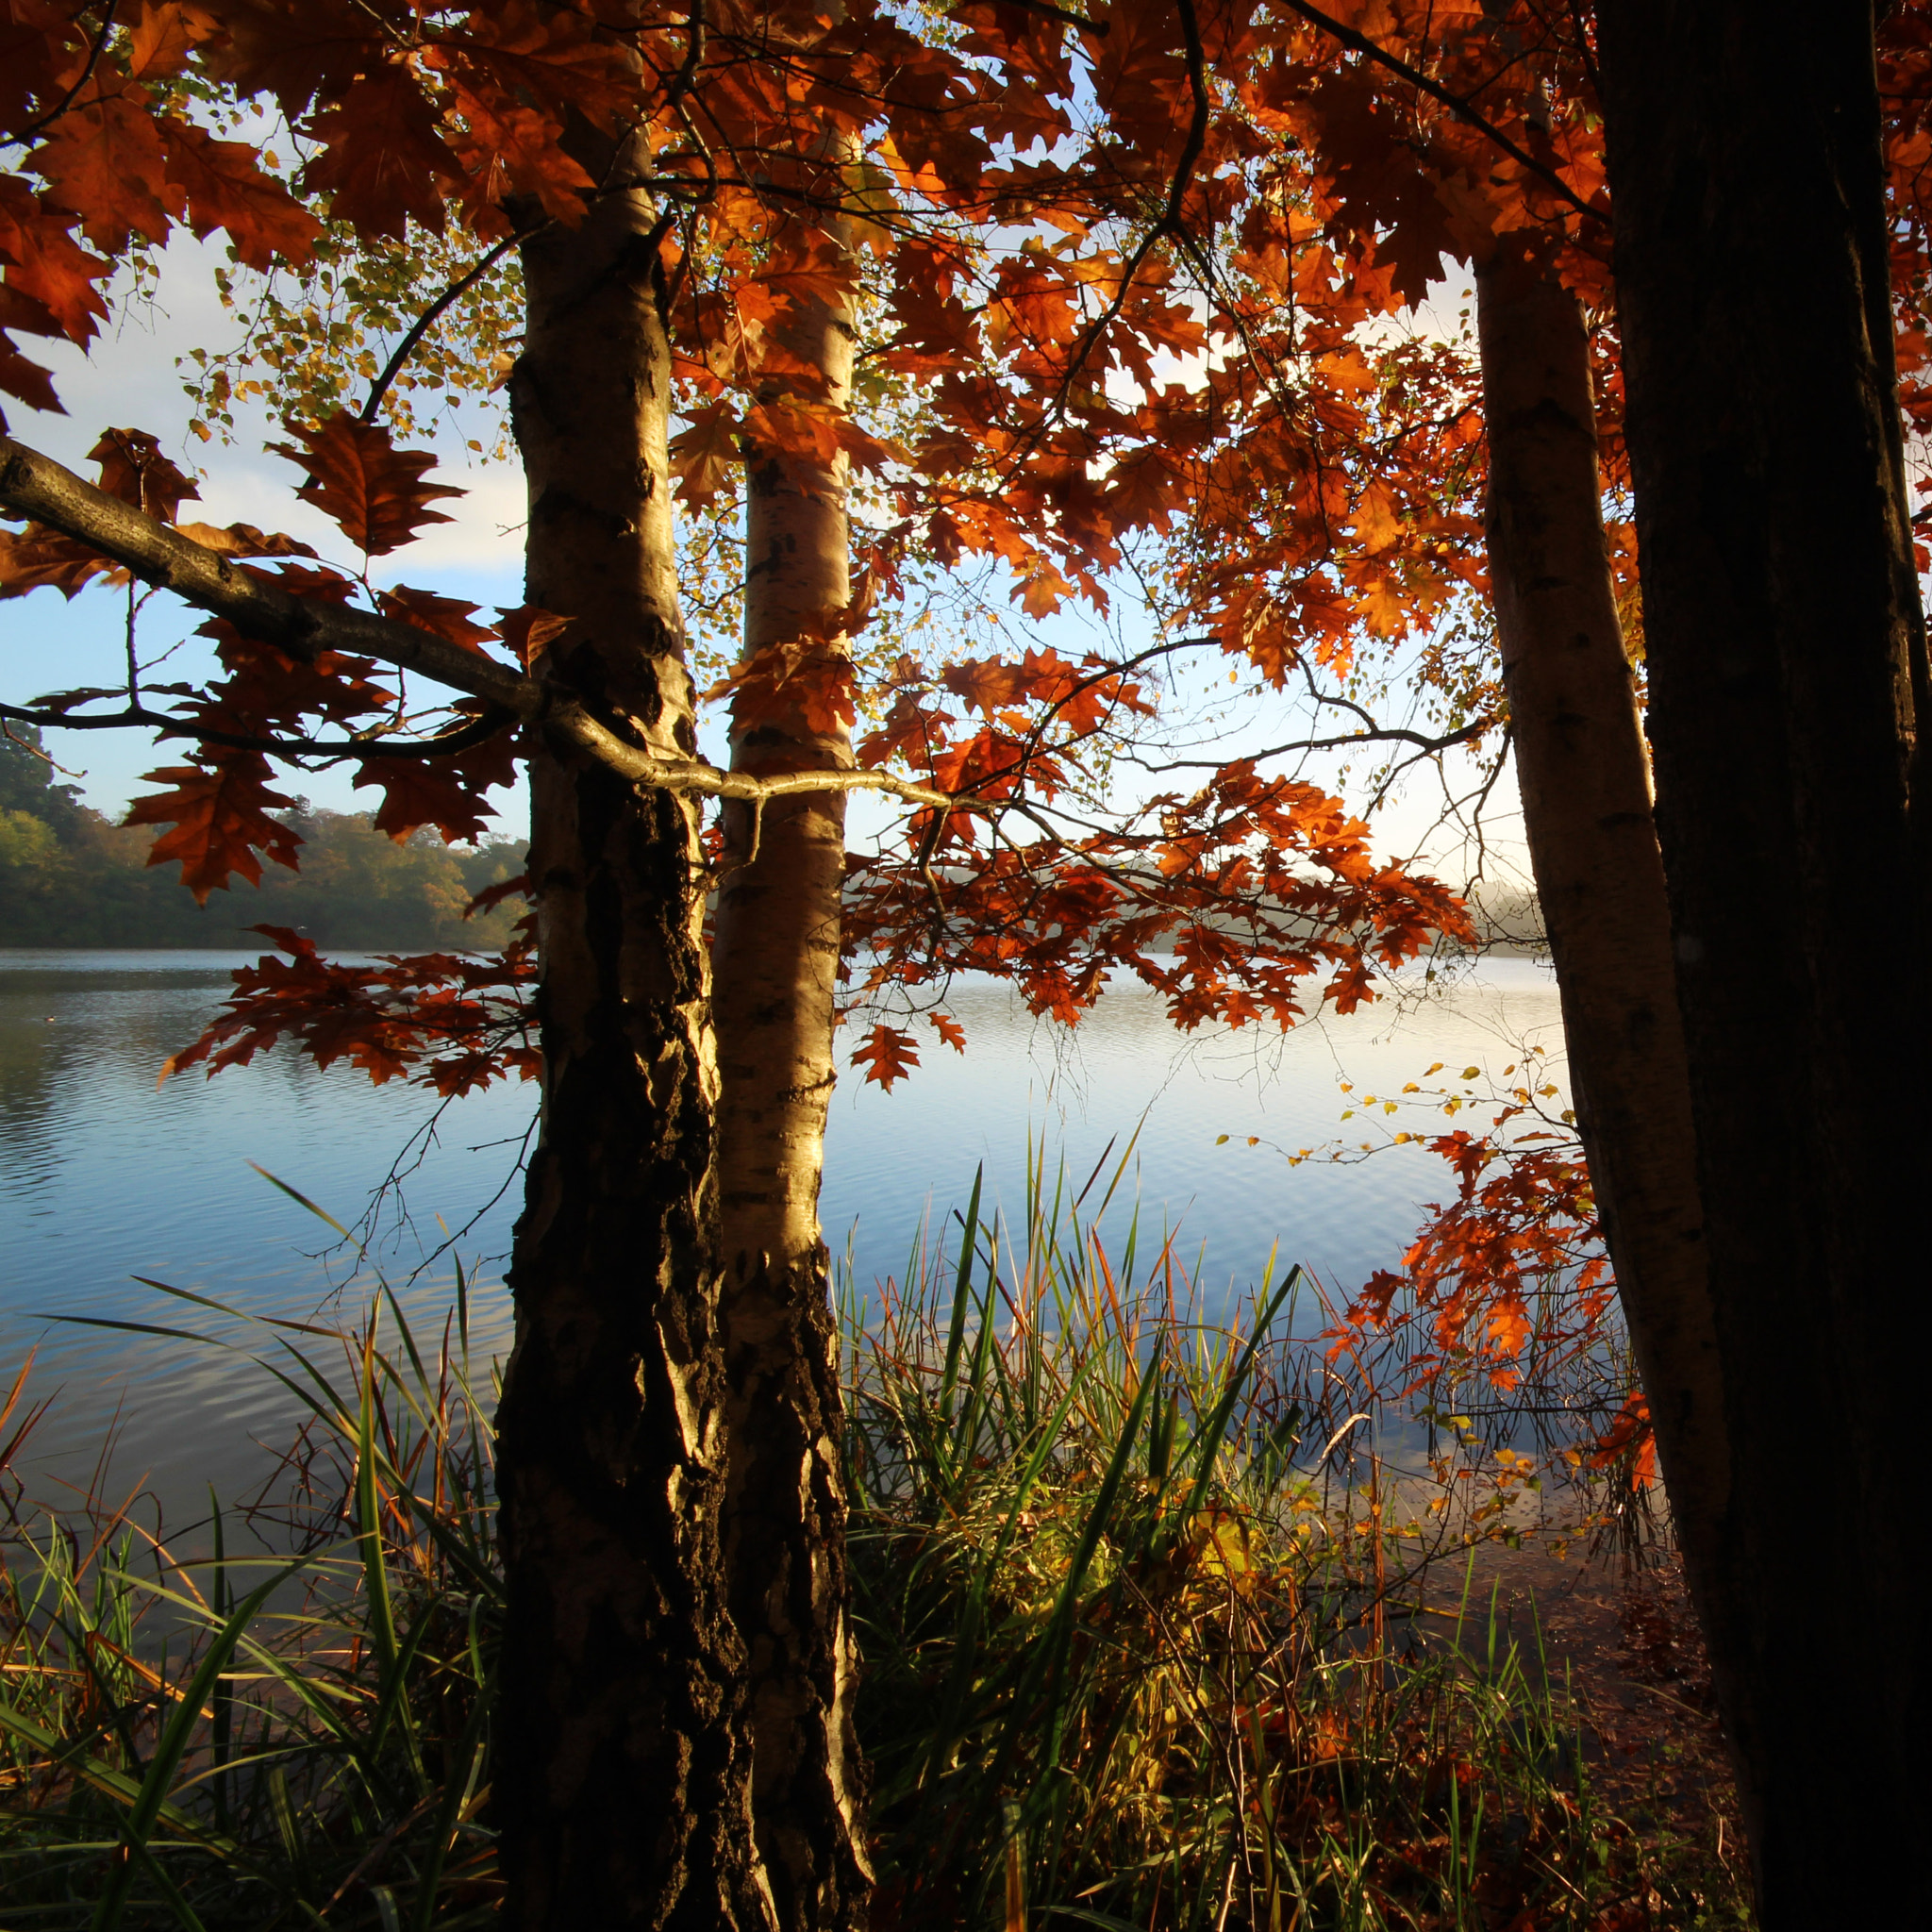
{"points": [[426, 321], [1169, 223], [1453, 102], [1097, 27], [444, 745], [72, 93], [1389, 734]]}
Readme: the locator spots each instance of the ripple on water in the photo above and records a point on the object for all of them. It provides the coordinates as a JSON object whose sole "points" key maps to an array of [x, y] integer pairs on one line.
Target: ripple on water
{"points": [[104, 1176]]}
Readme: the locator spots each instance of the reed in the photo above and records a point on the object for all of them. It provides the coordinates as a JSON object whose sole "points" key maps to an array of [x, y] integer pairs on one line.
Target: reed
{"points": [[296, 1738], [1154, 1638], [1141, 1604]]}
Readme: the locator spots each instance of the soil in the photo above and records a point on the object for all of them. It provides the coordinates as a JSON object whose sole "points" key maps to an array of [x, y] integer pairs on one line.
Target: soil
{"points": [[1618, 1630]]}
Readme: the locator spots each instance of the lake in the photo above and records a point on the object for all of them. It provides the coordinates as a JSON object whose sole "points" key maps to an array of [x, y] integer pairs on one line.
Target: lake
{"points": [[106, 1177]]}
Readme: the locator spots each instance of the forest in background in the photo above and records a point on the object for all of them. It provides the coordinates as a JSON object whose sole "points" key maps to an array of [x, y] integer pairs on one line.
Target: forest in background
{"points": [[71, 876], [880, 294]]}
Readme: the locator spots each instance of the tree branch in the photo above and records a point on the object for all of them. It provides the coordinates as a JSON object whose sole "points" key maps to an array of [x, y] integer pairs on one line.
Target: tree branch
{"points": [[1064, 16], [426, 321], [1362, 44], [34, 128], [36, 487], [1380, 734], [1169, 225], [477, 731]]}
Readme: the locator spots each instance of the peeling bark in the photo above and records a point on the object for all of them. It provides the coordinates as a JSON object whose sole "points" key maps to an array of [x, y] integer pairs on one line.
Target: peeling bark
{"points": [[775, 962], [624, 1785]]}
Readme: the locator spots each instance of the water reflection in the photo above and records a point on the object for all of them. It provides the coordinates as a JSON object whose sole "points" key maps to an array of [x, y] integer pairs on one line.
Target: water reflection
{"points": [[105, 1178]]}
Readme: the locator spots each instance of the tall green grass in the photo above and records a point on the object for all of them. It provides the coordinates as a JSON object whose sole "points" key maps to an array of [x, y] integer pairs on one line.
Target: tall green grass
{"points": [[1137, 1598], [298, 1736], [1142, 1611]]}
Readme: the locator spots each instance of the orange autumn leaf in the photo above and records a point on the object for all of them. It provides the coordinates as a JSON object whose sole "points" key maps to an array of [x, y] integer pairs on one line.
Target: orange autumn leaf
{"points": [[888, 1054], [445, 617], [372, 490], [219, 811], [530, 630], [223, 185]]}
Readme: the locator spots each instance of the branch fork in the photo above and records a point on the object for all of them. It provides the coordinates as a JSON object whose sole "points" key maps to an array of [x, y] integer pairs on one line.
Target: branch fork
{"points": [[36, 487]]}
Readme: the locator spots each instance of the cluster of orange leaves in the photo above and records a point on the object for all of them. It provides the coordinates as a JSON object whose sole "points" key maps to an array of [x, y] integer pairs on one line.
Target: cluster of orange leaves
{"points": [[1513, 1266], [1513, 1260], [451, 1022], [1146, 293], [1032, 457]]}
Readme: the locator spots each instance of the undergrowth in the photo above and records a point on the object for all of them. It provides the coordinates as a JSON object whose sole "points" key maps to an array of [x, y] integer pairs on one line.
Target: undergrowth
{"points": [[1153, 1637]]}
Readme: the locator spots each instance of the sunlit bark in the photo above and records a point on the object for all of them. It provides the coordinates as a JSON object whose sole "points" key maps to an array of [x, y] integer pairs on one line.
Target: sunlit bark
{"points": [[775, 963], [1585, 782]]}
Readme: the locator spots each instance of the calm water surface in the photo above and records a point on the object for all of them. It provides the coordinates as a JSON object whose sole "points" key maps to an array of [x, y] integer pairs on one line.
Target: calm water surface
{"points": [[106, 1177]]}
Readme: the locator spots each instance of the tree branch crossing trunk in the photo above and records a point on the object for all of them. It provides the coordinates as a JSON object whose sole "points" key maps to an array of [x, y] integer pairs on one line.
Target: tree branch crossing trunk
{"points": [[625, 1776], [776, 954]]}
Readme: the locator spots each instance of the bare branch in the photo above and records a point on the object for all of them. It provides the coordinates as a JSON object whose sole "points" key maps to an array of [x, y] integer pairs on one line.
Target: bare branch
{"points": [[426, 321], [444, 745], [32, 131], [1382, 734], [1169, 223], [1097, 27], [35, 486]]}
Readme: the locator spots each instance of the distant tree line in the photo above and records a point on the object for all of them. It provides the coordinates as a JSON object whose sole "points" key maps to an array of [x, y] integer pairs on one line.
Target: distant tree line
{"points": [[71, 876]]}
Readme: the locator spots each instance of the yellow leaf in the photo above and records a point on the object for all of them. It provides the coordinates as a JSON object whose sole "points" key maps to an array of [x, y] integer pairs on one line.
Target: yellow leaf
{"points": [[1377, 524]]}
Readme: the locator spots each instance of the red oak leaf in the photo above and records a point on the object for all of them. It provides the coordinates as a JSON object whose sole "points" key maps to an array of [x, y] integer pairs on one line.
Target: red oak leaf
{"points": [[47, 266], [529, 629], [39, 557], [375, 491], [103, 160], [447, 617], [134, 469], [888, 1054], [220, 812], [224, 187], [384, 158]]}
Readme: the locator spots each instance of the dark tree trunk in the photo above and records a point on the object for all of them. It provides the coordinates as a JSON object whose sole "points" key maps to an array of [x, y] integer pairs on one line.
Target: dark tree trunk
{"points": [[1585, 781], [776, 959], [624, 1780], [1786, 651]]}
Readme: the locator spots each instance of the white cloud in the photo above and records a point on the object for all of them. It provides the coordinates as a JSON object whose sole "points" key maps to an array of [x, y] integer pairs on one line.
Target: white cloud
{"points": [[129, 379]]}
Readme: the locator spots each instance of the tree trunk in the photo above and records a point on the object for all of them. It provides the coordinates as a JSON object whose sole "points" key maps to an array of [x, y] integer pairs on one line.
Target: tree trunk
{"points": [[1786, 650], [775, 960], [624, 1759], [1585, 781]]}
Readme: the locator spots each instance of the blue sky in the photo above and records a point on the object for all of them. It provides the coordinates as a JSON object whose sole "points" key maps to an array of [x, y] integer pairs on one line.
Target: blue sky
{"points": [[129, 380]]}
